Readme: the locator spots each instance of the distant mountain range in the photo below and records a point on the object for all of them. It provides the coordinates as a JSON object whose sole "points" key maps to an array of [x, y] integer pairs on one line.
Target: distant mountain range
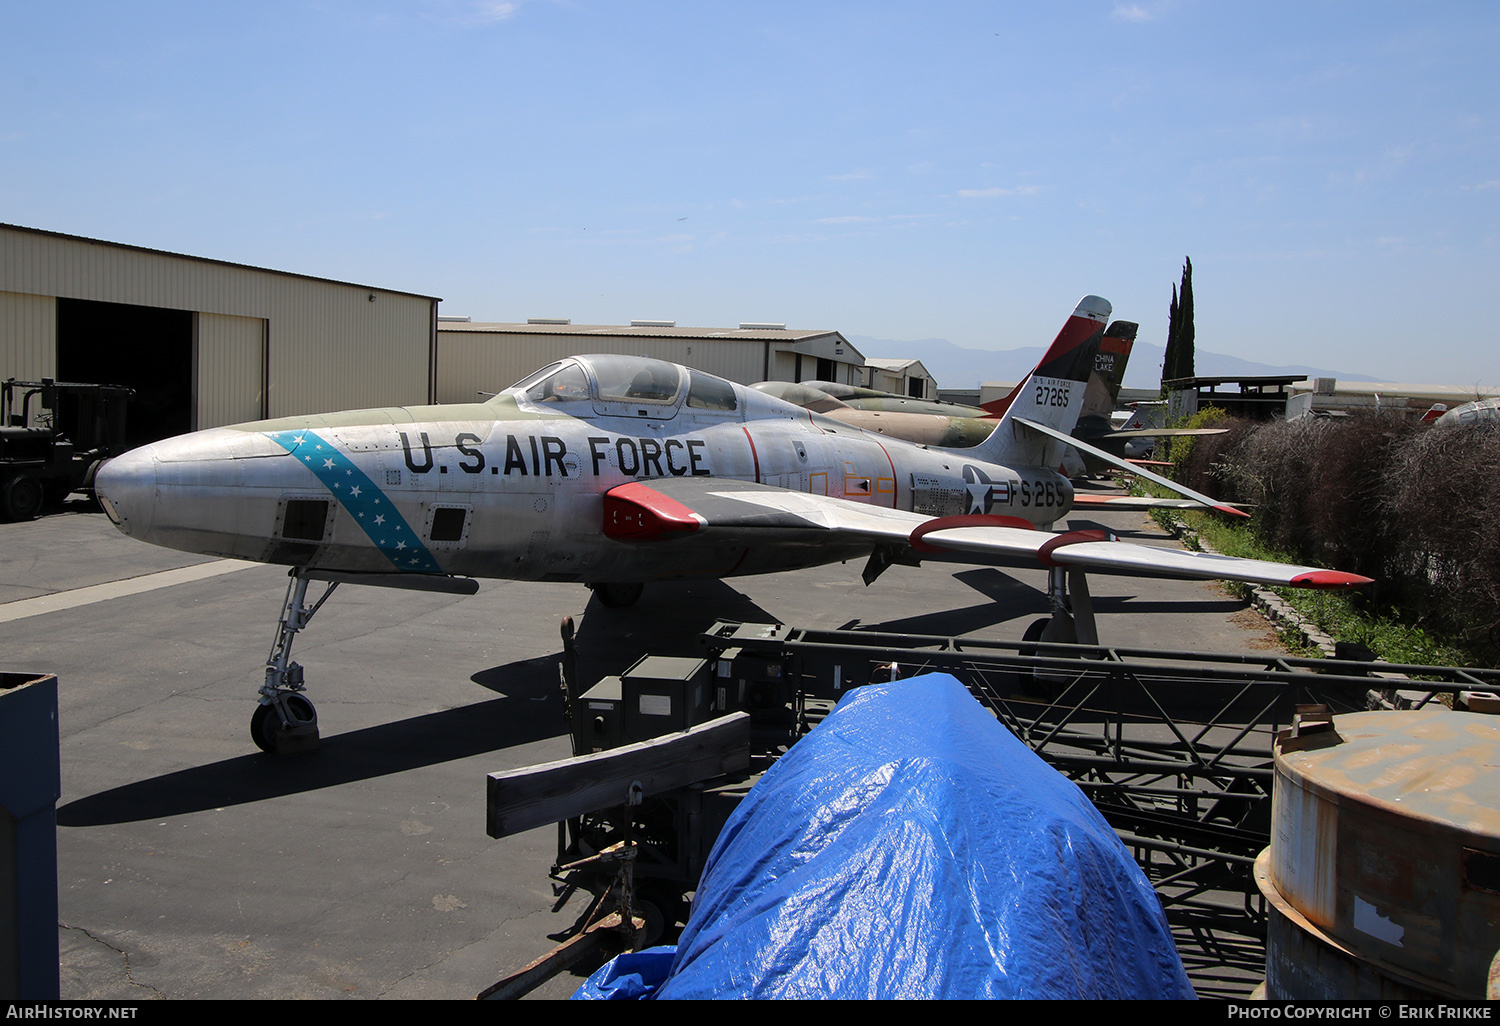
{"points": [[955, 367]]}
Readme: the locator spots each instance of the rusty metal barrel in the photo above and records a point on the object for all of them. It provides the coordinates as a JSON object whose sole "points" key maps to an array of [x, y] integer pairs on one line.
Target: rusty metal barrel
{"points": [[1382, 878]]}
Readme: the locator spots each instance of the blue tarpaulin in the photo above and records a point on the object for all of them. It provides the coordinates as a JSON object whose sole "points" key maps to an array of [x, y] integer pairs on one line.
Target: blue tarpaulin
{"points": [[911, 847]]}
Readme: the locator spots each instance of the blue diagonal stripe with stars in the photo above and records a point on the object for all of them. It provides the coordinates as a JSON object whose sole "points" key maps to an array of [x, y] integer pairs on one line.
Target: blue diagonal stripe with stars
{"points": [[367, 504]]}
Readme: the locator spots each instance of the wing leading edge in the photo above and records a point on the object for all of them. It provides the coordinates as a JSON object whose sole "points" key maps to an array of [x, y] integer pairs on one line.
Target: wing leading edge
{"points": [[660, 510]]}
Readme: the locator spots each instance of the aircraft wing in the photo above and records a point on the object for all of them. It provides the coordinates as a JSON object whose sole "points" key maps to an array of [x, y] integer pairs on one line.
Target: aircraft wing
{"points": [[1124, 464], [679, 507]]}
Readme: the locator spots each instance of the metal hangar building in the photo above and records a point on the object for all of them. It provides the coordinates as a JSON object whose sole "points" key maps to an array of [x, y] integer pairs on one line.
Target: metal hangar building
{"points": [[206, 342], [475, 357]]}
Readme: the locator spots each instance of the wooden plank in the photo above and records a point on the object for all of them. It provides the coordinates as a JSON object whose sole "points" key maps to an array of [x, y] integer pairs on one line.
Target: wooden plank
{"points": [[518, 800], [603, 937]]}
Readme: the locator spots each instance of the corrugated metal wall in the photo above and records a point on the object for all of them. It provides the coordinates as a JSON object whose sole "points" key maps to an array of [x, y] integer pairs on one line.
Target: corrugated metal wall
{"points": [[231, 369], [28, 330], [471, 361], [330, 345]]}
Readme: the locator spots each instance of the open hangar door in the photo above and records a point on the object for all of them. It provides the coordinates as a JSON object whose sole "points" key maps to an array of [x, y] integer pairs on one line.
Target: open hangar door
{"points": [[145, 348]]}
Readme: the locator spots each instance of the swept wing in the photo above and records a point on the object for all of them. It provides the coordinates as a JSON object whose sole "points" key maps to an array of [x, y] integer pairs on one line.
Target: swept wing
{"points": [[679, 508]]}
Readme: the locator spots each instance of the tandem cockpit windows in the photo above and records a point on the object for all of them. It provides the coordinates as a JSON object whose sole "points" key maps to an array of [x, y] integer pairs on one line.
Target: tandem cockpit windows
{"points": [[636, 379], [626, 386], [630, 379], [706, 392]]}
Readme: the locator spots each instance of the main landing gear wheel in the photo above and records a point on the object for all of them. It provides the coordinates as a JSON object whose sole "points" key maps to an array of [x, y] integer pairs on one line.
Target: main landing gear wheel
{"points": [[664, 909], [22, 498], [272, 733], [615, 595], [654, 927], [1031, 683]]}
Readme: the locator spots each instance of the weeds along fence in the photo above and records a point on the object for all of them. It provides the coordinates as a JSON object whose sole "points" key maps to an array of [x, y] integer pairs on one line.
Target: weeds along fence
{"points": [[1413, 506]]}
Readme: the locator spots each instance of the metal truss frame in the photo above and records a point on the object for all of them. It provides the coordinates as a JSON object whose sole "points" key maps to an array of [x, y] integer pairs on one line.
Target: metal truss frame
{"points": [[1172, 747]]}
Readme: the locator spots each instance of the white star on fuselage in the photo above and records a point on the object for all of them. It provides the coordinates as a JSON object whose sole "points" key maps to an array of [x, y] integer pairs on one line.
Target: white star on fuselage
{"points": [[979, 493]]}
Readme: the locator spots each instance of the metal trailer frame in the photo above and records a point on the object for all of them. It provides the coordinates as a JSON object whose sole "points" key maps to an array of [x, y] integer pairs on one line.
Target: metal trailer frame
{"points": [[1174, 748]]}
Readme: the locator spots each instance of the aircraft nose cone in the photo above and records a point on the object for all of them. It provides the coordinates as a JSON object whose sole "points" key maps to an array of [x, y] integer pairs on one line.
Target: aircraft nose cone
{"points": [[126, 488]]}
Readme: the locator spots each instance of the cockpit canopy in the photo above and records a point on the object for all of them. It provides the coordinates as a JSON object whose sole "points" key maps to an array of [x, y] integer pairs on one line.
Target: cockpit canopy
{"points": [[612, 382]]}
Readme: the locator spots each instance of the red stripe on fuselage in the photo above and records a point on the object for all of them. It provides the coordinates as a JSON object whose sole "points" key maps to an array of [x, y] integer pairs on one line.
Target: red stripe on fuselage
{"points": [[895, 481], [753, 454]]}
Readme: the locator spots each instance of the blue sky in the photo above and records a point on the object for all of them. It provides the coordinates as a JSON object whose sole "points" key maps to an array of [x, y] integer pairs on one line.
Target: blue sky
{"points": [[956, 170]]}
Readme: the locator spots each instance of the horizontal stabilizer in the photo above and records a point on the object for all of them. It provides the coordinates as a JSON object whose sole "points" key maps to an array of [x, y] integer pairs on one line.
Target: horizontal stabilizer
{"points": [[1107, 502], [1124, 464], [1167, 432]]}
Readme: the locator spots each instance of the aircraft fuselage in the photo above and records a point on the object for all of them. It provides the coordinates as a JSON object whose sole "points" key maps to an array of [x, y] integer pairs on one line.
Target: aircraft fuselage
{"points": [[514, 487]]}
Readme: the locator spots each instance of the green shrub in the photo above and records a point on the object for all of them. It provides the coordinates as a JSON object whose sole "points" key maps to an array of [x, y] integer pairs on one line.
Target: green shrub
{"points": [[1415, 507]]}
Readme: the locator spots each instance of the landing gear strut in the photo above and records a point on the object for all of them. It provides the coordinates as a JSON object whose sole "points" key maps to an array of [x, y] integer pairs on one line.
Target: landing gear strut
{"points": [[617, 595], [285, 721], [1071, 623]]}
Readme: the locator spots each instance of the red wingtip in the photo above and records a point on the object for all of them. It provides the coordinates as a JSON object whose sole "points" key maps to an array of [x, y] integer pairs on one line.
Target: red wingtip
{"points": [[1330, 579], [1231, 509]]}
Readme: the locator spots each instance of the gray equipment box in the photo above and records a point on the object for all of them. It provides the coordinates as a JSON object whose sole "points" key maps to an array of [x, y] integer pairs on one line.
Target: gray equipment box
{"points": [[664, 694], [599, 718]]}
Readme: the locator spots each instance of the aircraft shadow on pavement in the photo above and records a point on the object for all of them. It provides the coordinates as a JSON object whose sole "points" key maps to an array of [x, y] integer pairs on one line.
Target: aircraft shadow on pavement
{"points": [[1144, 531], [1006, 599], [1112, 604], [365, 754], [668, 619]]}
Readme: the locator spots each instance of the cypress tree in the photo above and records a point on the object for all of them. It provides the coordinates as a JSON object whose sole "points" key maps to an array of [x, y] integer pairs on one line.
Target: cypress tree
{"points": [[1185, 322], [1169, 358], [1178, 359]]}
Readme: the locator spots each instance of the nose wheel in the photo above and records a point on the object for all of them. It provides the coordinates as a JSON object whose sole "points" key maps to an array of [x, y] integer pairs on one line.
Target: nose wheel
{"points": [[286, 723]]}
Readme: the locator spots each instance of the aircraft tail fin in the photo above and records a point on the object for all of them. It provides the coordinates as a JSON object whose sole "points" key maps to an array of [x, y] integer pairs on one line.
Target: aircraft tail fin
{"points": [[1109, 369], [1104, 383], [1052, 394]]}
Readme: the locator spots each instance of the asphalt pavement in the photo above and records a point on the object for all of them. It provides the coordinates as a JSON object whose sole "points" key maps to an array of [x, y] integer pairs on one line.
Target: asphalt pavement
{"points": [[191, 865]]}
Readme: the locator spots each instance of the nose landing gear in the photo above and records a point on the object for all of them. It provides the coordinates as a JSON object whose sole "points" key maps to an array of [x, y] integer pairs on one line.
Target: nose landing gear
{"points": [[285, 721]]}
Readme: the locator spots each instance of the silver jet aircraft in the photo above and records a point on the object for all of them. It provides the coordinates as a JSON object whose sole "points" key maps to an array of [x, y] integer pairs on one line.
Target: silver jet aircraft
{"points": [[615, 471]]}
